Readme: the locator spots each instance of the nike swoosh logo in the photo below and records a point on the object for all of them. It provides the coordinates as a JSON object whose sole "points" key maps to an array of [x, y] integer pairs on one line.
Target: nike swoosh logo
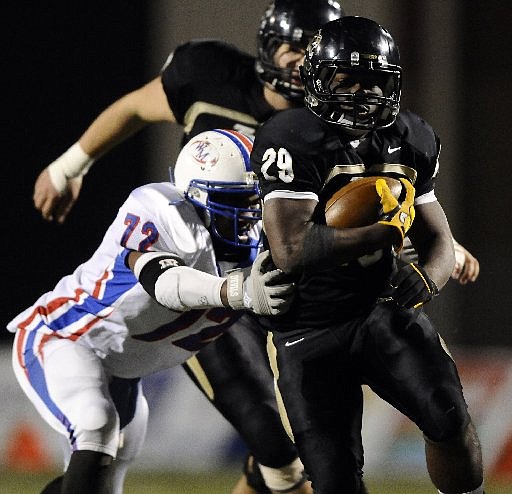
{"points": [[392, 150], [291, 343]]}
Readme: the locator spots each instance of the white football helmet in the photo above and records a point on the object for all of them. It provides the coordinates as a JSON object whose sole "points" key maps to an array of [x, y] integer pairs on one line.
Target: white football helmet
{"points": [[213, 172]]}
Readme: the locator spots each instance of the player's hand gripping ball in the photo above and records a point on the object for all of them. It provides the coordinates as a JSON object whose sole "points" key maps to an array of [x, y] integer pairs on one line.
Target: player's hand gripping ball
{"points": [[358, 203], [394, 213]]}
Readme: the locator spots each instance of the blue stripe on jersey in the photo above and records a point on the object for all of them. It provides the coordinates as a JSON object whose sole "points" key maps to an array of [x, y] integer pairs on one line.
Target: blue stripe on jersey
{"points": [[122, 280], [37, 379], [242, 146]]}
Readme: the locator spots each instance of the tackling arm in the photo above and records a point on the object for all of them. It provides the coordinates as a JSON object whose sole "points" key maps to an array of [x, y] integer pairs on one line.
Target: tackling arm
{"points": [[261, 289], [58, 186]]}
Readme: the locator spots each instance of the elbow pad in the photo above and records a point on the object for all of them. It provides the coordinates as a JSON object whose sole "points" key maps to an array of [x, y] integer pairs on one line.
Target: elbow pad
{"points": [[176, 286]]}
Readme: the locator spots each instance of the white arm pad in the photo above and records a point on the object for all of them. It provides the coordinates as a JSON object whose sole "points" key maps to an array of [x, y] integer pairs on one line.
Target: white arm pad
{"points": [[178, 287], [183, 288], [75, 162]]}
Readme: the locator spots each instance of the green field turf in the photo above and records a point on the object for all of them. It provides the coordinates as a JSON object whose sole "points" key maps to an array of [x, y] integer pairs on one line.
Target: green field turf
{"points": [[210, 483]]}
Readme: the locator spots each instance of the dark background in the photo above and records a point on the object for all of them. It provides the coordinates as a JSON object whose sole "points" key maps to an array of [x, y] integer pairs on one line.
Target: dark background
{"points": [[64, 65], [64, 62]]}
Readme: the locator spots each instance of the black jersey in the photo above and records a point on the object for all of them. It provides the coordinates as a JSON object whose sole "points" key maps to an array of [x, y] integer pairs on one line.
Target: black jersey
{"points": [[294, 155], [211, 84]]}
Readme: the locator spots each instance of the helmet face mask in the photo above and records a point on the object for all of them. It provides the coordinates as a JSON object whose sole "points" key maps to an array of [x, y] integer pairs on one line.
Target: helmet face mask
{"points": [[291, 22], [213, 173], [231, 211], [352, 75], [284, 80]]}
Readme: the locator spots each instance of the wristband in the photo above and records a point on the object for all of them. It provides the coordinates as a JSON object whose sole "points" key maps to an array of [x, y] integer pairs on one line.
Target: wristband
{"points": [[75, 162], [235, 289]]}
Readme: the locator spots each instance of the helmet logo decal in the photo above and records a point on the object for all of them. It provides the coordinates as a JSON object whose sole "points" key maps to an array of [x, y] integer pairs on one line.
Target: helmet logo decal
{"points": [[313, 44], [354, 58], [204, 154]]}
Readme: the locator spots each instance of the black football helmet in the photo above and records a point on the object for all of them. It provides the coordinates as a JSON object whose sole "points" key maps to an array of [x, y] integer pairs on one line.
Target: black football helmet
{"points": [[349, 51], [294, 22]]}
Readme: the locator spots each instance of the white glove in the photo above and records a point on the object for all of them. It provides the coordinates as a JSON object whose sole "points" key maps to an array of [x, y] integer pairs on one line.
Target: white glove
{"points": [[263, 292]]}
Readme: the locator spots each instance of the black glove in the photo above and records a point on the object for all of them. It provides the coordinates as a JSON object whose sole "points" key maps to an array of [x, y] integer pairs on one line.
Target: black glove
{"points": [[411, 287]]}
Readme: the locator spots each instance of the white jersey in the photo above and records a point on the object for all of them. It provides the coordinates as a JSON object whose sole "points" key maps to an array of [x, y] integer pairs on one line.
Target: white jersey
{"points": [[102, 305]]}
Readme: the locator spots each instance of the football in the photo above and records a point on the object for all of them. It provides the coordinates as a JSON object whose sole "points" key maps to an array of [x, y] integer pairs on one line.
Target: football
{"points": [[357, 203]]}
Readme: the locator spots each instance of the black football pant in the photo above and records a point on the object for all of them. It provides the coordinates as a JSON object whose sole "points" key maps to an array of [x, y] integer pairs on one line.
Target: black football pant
{"points": [[240, 385], [398, 353]]}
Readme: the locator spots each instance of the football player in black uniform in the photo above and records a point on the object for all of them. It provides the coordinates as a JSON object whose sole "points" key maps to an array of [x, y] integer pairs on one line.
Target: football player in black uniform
{"points": [[357, 318], [206, 85]]}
